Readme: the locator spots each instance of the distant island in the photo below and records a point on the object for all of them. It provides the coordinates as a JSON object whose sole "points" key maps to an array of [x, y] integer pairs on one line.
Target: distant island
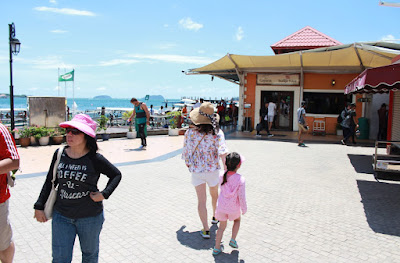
{"points": [[102, 97]]}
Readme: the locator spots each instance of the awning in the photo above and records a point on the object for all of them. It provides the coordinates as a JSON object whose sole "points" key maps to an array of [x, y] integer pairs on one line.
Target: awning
{"points": [[376, 80], [351, 58]]}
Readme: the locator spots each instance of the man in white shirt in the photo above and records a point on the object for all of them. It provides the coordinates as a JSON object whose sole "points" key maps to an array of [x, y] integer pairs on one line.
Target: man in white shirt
{"points": [[197, 105], [271, 114]]}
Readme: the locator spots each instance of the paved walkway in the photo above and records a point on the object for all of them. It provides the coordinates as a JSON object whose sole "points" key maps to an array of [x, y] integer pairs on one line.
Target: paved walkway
{"points": [[314, 204]]}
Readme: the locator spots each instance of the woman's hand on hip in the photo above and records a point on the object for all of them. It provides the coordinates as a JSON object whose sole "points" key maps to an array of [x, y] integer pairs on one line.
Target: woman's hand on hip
{"points": [[97, 196], [40, 216]]}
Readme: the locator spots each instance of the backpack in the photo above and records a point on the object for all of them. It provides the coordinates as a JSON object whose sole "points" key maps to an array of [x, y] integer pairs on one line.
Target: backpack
{"points": [[340, 118]]}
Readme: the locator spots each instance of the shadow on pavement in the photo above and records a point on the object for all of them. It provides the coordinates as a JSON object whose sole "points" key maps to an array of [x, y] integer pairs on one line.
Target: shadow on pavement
{"points": [[381, 205], [361, 163], [225, 257], [194, 239]]}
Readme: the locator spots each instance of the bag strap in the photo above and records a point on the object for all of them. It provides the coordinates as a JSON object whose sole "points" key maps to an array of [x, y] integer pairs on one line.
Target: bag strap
{"points": [[198, 145], [59, 153]]}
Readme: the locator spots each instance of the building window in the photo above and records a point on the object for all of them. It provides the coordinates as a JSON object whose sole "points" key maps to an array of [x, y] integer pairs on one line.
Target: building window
{"points": [[325, 103]]}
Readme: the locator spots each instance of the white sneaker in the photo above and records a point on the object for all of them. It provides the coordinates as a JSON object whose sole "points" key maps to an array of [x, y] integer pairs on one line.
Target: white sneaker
{"points": [[258, 135], [142, 147]]}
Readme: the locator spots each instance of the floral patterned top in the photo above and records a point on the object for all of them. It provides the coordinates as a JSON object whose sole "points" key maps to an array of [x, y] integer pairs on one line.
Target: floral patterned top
{"points": [[206, 157]]}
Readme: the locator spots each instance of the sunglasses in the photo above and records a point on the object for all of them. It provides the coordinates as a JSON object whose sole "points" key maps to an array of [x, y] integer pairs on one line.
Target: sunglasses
{"points": [[73, 131]]}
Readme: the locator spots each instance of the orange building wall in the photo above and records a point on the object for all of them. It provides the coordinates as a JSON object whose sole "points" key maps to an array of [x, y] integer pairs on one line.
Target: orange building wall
{"points": [[324, 81], [311, 81], [251, 82]]}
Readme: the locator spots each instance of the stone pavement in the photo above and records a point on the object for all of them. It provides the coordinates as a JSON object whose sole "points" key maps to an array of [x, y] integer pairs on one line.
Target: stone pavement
{"points": [[314, 204]]}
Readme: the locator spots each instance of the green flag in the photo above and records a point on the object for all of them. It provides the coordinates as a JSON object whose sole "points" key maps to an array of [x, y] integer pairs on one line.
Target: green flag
{"points": [[67, 76]]}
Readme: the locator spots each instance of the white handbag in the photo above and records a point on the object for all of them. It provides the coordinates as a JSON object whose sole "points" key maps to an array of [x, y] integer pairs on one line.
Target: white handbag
{"points": [[48, 207]]}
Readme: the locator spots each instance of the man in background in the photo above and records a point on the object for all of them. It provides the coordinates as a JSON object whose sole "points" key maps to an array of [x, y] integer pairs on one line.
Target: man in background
{"points": [[301, 118], [348, 123], [197, 104], [271, 114], [142, 119], [263, 123], [9, 161]]}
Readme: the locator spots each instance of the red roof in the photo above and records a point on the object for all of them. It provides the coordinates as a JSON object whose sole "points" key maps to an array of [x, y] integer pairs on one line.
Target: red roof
{"points": [[306, 37]]}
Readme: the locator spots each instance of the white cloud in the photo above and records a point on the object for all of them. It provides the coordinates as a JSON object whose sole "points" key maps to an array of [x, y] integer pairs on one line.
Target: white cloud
{"points": [[174, 58], [65, 11], [50, 62], [115, 62], [58, 31], [101, 88], [201, 52], [53, 2], [165, 25], [239, 33], [33, 89], [389, 38], [189, 24]]}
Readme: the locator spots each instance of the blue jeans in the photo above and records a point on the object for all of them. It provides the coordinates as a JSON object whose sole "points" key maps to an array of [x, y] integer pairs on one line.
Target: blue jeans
{"points": [[64, 231]]}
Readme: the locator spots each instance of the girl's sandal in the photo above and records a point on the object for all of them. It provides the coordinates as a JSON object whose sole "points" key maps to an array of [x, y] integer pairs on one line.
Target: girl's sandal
{"points": [[217, 251], [233, 243]]}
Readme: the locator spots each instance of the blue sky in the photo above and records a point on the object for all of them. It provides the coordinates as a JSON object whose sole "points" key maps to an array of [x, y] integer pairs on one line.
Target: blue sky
{"points": [[126, 48]]}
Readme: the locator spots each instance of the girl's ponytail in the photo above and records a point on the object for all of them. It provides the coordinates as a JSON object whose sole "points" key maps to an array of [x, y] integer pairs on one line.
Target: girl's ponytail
{"points": [[232, 161]]}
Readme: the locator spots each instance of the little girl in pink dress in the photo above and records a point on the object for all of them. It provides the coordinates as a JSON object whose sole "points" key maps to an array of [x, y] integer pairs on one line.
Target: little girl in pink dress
{"points": [[231, 200]]}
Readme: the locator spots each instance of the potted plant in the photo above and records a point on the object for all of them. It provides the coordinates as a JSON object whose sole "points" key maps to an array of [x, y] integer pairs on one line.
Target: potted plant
{"points": [[42, 134], [57, 135], [175, 121], [131, 134], [102, 127], [32, 132], [24, 137]]}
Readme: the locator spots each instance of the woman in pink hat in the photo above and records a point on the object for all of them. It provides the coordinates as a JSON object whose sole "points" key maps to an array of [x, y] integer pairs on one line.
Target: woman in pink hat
{"points": [[78, 209], [204, 145]]}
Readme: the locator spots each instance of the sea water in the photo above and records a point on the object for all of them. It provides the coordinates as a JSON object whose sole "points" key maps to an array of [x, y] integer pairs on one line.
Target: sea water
{"points": [[84, 104]]}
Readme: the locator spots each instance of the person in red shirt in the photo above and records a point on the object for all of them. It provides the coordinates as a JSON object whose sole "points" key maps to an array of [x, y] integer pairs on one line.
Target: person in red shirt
{"points": [[9, 161]]}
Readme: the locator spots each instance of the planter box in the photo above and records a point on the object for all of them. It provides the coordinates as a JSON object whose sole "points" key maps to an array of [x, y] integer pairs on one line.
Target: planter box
{"points": [[131, 135], [24, 142], [105, 136], [173, 132], [44, 140], [57, 139]]}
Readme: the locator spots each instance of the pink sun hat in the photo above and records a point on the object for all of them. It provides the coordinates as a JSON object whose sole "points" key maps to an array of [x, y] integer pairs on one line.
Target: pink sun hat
{"points": [[83, 123]]}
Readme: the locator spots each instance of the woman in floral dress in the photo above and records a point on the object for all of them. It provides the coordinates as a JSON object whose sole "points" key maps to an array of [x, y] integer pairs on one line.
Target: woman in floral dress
{"points": [[203, 145]]}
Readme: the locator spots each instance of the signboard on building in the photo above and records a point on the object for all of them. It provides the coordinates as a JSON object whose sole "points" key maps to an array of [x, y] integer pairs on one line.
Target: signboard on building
{"points": [[278, 79]]}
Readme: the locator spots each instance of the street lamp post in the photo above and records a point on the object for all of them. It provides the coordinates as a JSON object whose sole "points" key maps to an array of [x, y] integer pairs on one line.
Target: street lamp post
{"points": [[14, 49]]}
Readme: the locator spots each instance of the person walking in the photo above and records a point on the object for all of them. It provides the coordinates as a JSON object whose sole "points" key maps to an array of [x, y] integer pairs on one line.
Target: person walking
{"points": [[348, 123], [301, 118], [142, 119], [9, 161], [204, 144], [78, 209], [263, 124], [271, 114], [231, 200]]}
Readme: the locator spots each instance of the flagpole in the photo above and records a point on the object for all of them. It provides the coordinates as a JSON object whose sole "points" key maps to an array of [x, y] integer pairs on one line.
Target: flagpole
{"points": [[58, 83], [73, 92]]}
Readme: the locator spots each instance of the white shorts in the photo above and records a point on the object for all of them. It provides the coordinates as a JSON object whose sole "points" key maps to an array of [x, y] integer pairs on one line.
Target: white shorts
{"points": [[270, 118], [5, 227], [211, 178]]}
